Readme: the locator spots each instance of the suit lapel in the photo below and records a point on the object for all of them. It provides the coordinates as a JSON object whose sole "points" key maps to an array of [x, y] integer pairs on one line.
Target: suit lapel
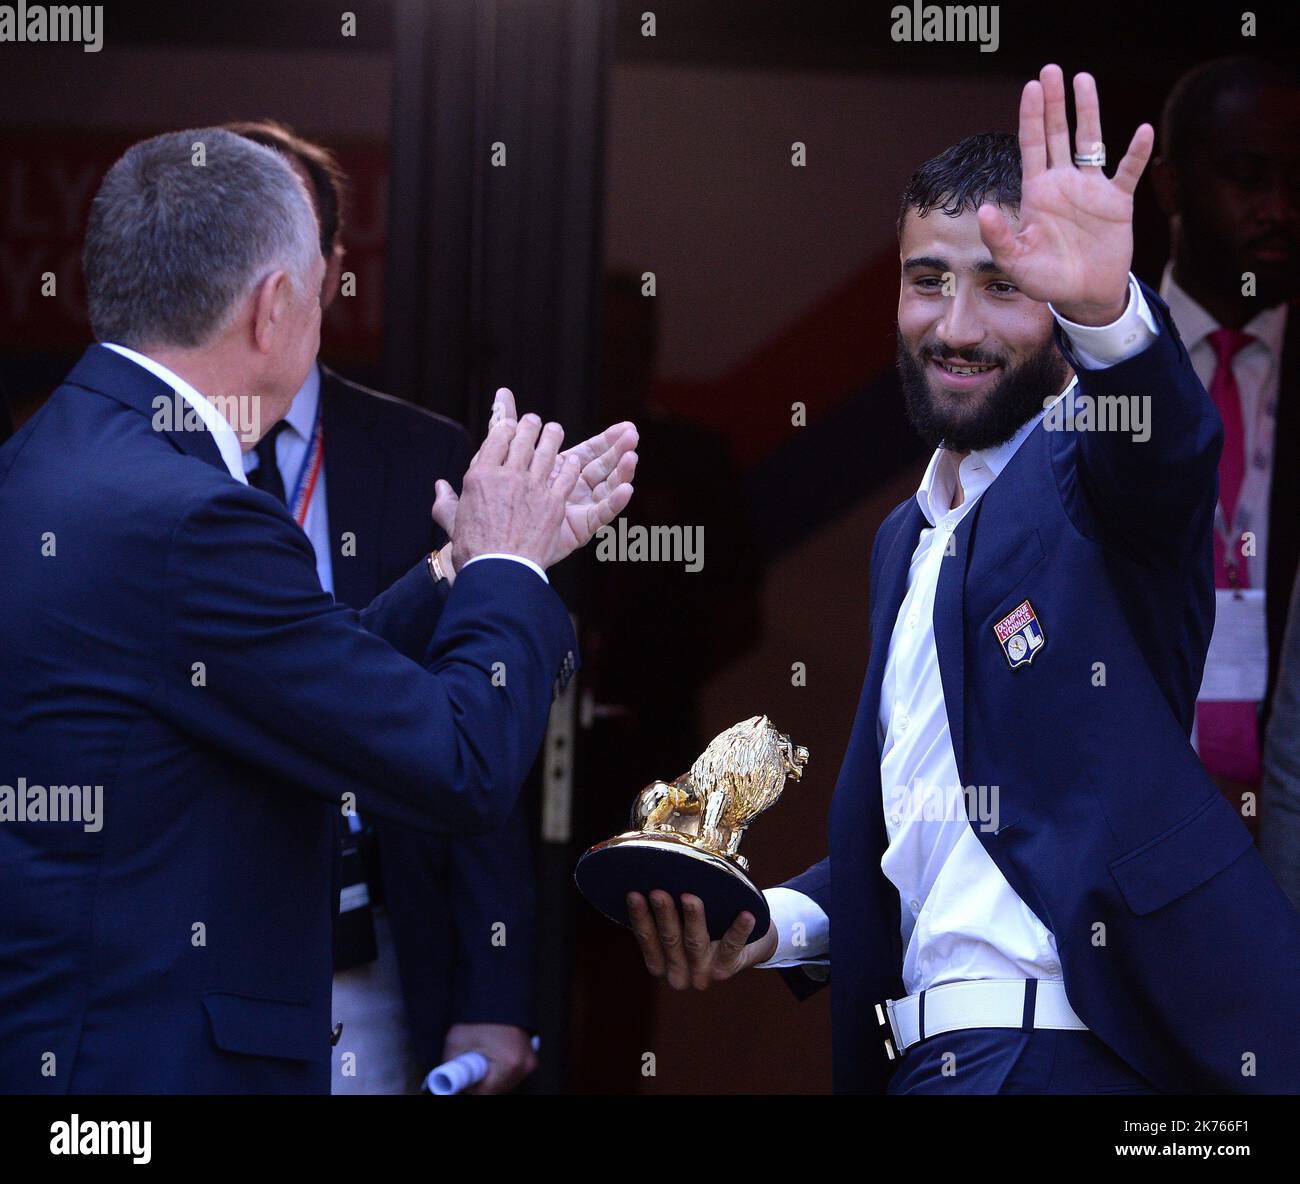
{"points": [[895, 563], [354, 485], [862, 761], [857, 821]]}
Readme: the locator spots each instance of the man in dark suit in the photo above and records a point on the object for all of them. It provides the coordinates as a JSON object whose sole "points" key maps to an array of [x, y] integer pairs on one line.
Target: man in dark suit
{"points": [[1033, 885], [1226, 177], [187, 713], [438, 959]]}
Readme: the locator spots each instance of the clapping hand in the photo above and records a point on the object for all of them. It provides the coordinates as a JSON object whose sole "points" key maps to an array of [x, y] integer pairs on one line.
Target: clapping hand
{"points": [[606, 464]]}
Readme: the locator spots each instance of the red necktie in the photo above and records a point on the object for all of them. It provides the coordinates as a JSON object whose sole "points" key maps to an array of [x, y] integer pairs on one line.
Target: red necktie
{"points": [[1228, 732]]}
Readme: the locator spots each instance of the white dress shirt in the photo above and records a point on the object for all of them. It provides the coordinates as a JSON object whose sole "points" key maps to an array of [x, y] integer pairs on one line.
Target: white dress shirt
{"points": [[960, 919]]}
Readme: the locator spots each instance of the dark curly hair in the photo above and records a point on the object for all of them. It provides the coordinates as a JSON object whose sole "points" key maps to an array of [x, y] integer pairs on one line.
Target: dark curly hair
{"points": [[980, 168]]}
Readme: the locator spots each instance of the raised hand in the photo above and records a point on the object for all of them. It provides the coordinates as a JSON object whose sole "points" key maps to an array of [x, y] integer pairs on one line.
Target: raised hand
{"points": [[607, 464], [514, 498], [1073, 244], [604, 486], [678, 947]]}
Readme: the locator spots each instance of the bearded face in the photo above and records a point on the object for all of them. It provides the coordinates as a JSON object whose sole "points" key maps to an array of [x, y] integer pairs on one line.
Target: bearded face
{"points": [[976, 357]]}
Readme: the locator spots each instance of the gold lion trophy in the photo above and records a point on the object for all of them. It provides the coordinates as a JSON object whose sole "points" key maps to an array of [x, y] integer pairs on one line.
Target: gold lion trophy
{"points": [[685, 833]]}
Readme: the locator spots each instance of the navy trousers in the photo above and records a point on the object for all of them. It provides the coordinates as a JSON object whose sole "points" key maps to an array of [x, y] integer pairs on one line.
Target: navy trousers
{"points": [[1009, 1061]]}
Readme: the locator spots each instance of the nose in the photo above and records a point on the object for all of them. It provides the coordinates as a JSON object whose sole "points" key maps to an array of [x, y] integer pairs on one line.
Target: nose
{"points": [[959, 328], [1275, 197]]}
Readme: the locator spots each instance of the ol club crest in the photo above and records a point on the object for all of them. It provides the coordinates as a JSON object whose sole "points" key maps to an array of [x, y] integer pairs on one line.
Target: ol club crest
{"points": [[1020, 634]]}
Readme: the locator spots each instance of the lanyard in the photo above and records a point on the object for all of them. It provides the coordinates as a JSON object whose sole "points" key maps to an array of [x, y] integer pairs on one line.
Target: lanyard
{"points": [[1231, 534], [1231, 540], [309, 474]]}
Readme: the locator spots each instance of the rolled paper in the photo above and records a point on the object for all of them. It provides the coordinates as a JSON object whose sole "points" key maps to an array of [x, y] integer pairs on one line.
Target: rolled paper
{"points": [[457, 1074], [451, 1077]]}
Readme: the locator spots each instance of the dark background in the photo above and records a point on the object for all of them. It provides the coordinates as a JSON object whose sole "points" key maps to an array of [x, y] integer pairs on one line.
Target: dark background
{"points": [[775, 284]]}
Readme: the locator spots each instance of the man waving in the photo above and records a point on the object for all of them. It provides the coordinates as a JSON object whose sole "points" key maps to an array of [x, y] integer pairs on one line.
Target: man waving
{"points": [[1032, 885]]}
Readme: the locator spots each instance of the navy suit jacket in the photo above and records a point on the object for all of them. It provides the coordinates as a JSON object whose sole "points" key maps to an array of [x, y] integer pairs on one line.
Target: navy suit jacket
{"points": [[1177, 947], [444, 895], [167, 638]]}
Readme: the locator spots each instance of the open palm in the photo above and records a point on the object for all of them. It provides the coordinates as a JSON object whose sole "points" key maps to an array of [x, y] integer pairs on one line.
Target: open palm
{"points": [[604, 485], [1073, 242], [602, 492]]}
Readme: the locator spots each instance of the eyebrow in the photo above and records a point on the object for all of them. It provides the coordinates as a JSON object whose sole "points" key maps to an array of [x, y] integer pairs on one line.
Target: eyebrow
{"points": [[932, 263]]}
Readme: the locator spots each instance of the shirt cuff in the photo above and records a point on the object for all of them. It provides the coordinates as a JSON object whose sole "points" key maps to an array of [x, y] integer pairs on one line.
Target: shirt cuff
{"points": [[1101, 346], [803, 930], [517, 558]]}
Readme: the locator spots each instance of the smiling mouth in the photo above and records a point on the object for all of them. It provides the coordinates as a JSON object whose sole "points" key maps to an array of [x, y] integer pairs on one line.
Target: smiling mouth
{"points": [[963, 373]]}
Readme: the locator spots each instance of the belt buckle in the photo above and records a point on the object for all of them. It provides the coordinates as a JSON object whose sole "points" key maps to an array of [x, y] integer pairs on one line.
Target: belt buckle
{"points": [[885, 1018]]}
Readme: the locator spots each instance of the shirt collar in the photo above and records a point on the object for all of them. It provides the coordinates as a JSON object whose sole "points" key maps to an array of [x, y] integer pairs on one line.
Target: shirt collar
{"points": [[222, 433], [978, 470], [302, 411], [1195, 324]]}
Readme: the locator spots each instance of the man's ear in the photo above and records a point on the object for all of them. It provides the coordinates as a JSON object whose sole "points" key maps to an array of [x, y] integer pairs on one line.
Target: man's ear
{"points": [[333, 270], [1164, 180], [271, 303]]}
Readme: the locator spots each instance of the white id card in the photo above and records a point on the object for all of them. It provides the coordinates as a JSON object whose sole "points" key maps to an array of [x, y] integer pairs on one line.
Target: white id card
{"points": [[1236, 668]]}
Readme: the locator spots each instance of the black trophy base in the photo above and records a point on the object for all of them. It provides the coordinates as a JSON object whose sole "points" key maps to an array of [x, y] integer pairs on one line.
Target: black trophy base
{"points": [[643, 861]]}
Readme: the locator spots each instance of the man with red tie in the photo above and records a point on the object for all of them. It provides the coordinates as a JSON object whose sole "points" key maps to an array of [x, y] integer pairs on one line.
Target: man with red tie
{"points": [[1227, 178]]}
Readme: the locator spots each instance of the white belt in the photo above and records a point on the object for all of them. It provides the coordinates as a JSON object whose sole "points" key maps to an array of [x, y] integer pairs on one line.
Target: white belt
{"points": [[978, 1003]]}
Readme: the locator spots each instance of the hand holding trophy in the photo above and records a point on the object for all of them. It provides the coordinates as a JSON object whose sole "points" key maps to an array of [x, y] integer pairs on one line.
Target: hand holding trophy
{"points": [[684, 843]]}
